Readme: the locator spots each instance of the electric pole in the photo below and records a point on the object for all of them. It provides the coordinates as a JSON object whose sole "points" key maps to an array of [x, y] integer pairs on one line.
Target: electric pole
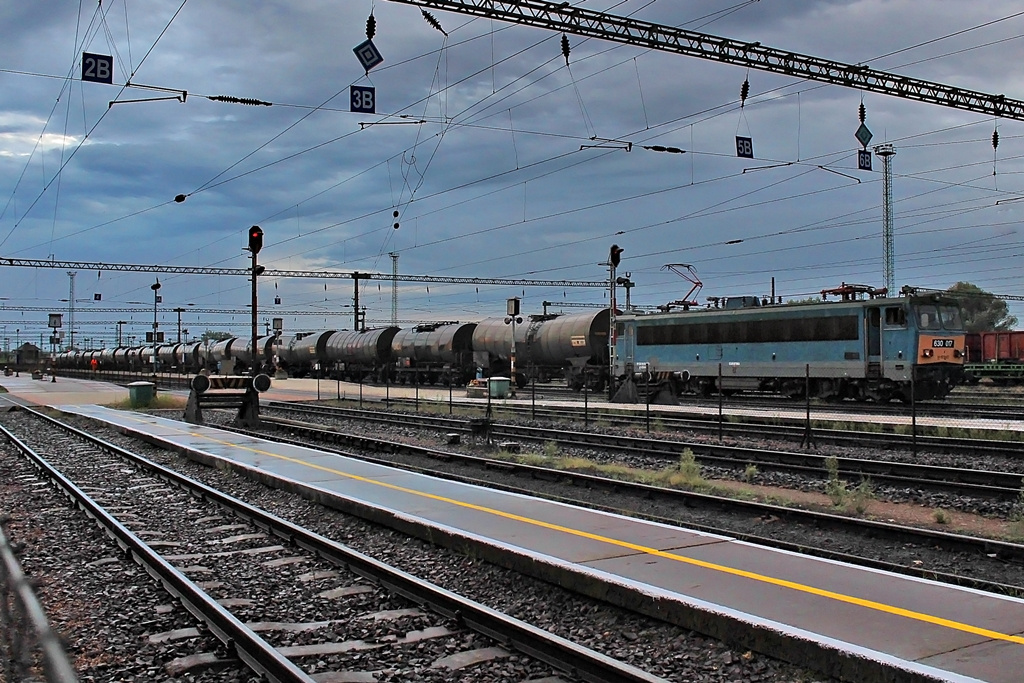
{"points": [[394, 287], [887, 152]]}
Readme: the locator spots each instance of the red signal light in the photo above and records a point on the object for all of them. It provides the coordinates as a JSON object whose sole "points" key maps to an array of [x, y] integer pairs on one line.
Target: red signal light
{"points": [[255, 239]]}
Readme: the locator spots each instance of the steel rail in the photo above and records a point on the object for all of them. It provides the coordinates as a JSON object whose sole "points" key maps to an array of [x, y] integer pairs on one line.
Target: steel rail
{"points": [[558, 652], [56, 666], [984, 483], [251, 649], [952, 541], [755, 428], [766, 426]]}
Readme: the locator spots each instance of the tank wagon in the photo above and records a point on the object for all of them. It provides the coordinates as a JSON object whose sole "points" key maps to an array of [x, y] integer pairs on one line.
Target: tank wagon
{"points": [[997, 355], [185, 358], [242, 355], [169, 356], [302, 353], [106, 359], [349, 355], [438, 352], [572, 347], [218, 355], [362, 354], [234, 355], [862, 349]]}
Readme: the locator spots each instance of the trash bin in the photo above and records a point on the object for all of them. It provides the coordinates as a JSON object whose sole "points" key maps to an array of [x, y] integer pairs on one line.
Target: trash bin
{"points": [[497, 387], [140, 394]]}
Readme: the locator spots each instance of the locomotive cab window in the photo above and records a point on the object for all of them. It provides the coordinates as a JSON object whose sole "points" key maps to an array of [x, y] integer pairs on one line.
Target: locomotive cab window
{"points": [[939, 318], [895, 317], [950, 318], [928, 318]]}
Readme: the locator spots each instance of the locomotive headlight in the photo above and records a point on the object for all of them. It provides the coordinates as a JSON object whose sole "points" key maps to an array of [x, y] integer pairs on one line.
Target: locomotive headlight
{"points": [[927, 353], [957, 353]]}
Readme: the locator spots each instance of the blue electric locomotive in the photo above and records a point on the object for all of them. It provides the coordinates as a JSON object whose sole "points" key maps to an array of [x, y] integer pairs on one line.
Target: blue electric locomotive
{"points": [[862, 349]]}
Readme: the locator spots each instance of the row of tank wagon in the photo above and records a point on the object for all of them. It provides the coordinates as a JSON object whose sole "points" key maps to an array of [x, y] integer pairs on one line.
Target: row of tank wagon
{"points": [[910, 347], [186, 358], [572, 347]]}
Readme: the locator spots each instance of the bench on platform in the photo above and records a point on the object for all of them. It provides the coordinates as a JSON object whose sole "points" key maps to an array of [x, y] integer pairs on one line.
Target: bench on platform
{"points": [[237, 392]]}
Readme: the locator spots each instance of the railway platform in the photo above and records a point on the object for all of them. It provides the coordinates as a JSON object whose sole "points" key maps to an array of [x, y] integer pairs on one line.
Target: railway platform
{"points": [[858, 624], [45, 391], [70, 390]]}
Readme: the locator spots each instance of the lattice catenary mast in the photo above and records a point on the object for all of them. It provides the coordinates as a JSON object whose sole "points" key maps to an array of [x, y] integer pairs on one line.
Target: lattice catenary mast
{"points": [[394, 287], [71, 309], [887, 152]]}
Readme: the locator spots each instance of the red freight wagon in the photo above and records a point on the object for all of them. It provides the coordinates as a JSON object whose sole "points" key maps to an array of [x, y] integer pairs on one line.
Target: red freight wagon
{"points": [[997, 355]]}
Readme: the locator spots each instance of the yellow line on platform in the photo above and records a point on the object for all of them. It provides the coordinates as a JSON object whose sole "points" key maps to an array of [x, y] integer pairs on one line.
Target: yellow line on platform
{"points": [[762, 578]]}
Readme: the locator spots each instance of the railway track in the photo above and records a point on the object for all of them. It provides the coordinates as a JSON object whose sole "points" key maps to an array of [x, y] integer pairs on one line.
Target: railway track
{"points": [[978, 568], [284, 600], [963, 404], [956, 480], [992, 565], [775, 428]]}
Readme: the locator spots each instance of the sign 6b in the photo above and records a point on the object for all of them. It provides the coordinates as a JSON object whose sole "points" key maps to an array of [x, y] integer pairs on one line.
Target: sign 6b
{"points": [[363, 99]]}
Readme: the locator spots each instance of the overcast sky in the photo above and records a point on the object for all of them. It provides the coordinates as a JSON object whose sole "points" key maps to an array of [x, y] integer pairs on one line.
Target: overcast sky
{"points": [[501, 160]]}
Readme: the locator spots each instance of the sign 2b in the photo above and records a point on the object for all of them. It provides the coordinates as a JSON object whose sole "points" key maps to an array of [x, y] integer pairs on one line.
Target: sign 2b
{"points": [[97, 68]]}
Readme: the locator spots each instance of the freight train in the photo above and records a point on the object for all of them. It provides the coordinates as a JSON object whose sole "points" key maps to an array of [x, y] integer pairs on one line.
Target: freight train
{"points": [[573, 348], [857, 348], [995, 355]]}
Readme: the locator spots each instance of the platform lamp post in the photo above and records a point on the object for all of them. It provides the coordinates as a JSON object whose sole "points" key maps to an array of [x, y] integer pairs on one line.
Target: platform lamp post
{"points": [[255, 244], [512, 310], [614, 254], [179, 310], [156, 299], [278, 330], [54, 324]]}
